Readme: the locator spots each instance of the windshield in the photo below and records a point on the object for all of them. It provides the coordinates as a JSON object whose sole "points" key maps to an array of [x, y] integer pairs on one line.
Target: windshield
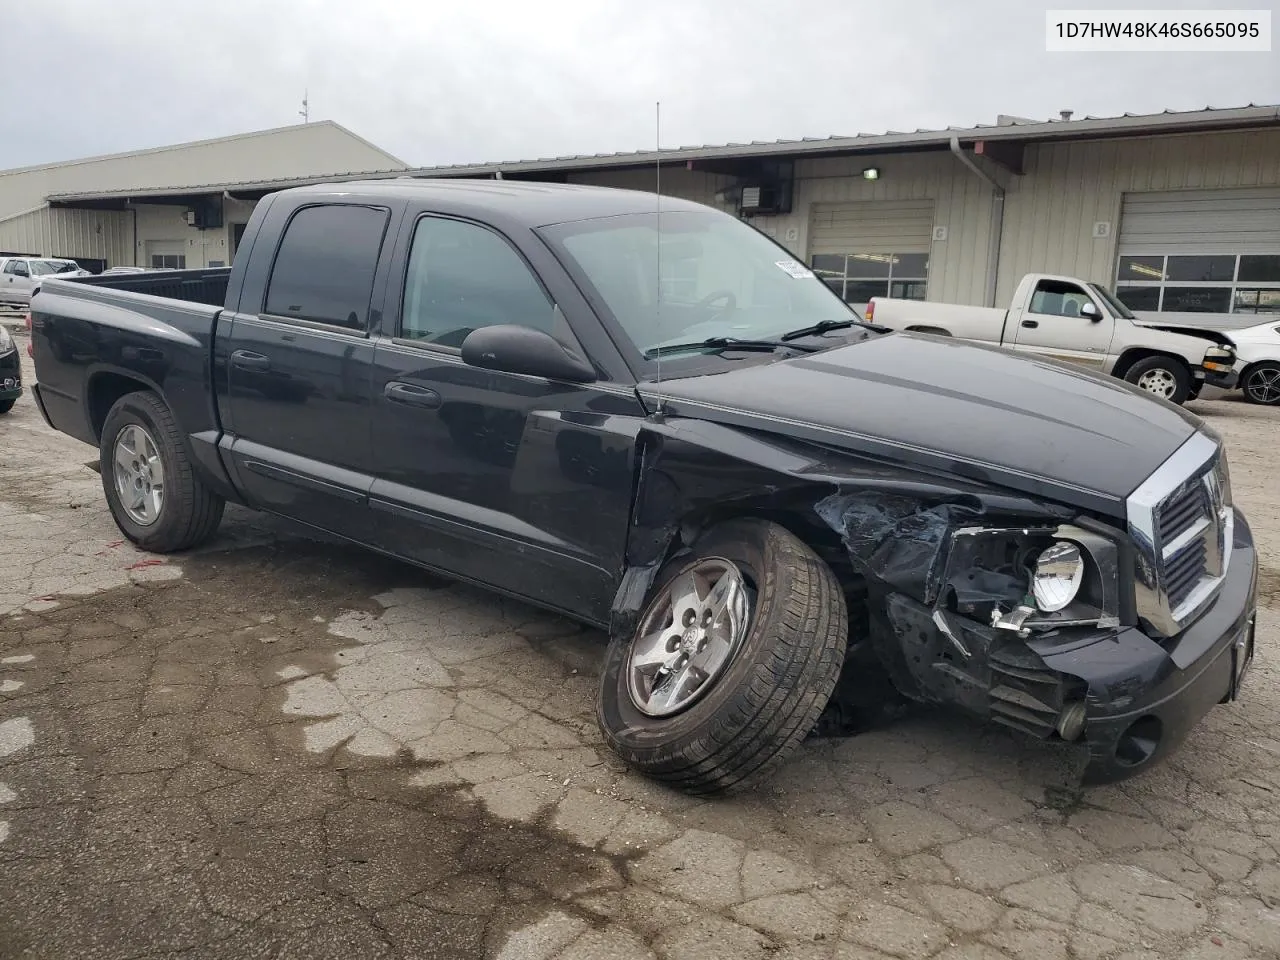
{"points": [[703, 275], [41, 268], [1118, 308]]}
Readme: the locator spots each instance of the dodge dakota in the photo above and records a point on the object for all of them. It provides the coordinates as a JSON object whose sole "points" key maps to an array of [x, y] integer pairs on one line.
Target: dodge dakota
{"points": [[1082, 323], [646, 415]]}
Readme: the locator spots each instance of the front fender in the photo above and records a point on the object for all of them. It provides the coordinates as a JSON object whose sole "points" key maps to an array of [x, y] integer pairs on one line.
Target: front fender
{"points": [[869, 519]]}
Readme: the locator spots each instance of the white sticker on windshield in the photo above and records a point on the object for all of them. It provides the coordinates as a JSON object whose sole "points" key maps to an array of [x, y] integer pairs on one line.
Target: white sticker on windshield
{"points": [[795, 268]]}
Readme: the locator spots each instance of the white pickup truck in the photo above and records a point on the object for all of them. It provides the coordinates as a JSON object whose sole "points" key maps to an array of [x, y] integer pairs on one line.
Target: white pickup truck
{"points": [[1064, 318]]}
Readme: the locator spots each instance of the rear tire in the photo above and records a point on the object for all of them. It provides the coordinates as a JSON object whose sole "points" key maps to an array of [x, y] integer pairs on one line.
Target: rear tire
{"points": [[1261, 384], [186, 513], [766, 697], [1163, 377]]}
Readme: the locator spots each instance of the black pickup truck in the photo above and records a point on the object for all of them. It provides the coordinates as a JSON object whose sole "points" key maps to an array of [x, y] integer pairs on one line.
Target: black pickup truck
{"points": [[648, 416]]}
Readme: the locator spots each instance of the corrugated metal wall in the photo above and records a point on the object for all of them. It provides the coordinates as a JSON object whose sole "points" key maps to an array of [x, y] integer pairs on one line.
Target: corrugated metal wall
{"points": [[103, 234], [871, 226], [1051, 210], [1231, 220], [962, 203]]}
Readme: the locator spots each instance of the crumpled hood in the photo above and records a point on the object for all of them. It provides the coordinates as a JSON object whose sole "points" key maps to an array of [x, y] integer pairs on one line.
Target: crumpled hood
{"points": [[987, 414]]}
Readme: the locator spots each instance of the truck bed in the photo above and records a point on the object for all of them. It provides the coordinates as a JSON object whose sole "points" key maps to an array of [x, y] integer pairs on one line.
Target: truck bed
{"points": [[91, 333], [193, 286]]}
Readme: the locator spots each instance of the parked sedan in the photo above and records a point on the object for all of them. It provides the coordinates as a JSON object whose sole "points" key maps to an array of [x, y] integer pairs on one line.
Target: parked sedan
{"points": [[1258, 350]]}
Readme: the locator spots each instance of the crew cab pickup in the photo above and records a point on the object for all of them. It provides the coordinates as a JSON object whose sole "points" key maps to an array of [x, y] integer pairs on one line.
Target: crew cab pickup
{"points": [[659, 423], [1068, 319]]}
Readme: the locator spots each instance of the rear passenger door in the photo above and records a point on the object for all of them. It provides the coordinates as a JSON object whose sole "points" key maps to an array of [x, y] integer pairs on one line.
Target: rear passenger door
{"points": [[297, 363]]}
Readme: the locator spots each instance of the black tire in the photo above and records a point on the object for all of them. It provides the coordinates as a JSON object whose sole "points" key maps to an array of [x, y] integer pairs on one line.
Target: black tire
{"points": [[1176, 370], [1261, 384], [7, 405], [769, 695], [190, 513]]}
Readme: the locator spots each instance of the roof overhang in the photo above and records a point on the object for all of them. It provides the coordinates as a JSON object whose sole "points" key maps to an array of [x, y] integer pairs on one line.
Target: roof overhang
{"points": [[1002, 143]]}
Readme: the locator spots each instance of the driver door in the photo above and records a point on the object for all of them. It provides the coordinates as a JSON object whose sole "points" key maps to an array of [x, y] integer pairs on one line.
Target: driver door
{"points": [[17, 283], [1055, 325], [518, 482]]}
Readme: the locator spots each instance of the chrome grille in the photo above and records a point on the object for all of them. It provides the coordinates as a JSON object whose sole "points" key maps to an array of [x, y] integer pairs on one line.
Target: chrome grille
{"points": [[1181, 512], [1181, 524]]}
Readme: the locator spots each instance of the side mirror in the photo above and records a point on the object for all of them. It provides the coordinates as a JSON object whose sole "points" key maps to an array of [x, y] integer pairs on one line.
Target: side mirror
{"points": [[21, 270], [1091, 312], [516, 349]]}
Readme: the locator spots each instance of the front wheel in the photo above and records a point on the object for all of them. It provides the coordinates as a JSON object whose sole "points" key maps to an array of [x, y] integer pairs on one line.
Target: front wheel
{"points": [[7, 405], [734, 658], [1261, 384], [1163, 377], [153, 493]]}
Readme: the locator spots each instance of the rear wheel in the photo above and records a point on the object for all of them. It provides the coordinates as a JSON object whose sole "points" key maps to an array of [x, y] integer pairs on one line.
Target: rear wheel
{"points": [[1261, 384], [734, 659], [1163, 377], [153, 493]]}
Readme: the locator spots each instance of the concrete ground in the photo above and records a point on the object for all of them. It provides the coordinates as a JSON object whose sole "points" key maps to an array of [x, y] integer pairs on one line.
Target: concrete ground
{"points": [[279, 747]]}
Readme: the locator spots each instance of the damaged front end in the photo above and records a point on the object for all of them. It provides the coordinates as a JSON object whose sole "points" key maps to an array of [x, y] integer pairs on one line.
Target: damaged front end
{"points": [[1027, 621]]}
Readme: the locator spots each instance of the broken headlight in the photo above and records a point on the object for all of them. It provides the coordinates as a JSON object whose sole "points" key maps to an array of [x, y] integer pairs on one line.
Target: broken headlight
{"points": [[1057, 575], [1027, 579]]}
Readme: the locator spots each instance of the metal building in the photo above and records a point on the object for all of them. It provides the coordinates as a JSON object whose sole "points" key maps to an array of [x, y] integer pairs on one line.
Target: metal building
{"points": [[199, 231], [1180, 211]]}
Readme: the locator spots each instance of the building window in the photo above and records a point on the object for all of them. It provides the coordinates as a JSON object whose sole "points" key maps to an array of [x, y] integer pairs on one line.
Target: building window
{"points": [[857, 277], [1210, 283], [169, 261]]}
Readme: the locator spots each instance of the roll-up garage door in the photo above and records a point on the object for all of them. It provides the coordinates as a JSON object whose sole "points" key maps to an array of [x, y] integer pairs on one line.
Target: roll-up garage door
{"points": [[871, 248], [1201, 251]]}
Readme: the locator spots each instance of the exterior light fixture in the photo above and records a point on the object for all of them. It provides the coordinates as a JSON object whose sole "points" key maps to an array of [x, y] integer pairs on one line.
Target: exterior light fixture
{"points": [[871, 173]]}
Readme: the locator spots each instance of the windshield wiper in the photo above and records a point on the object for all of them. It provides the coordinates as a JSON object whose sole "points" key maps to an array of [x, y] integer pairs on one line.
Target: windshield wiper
{"points": [[723, 343], [818, 328]]}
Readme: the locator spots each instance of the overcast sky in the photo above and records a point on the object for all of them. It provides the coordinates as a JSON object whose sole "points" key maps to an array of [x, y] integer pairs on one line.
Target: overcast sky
{"points": [[432, 83]]}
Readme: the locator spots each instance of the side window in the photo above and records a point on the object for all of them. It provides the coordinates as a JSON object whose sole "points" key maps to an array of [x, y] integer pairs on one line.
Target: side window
{"points": [[11, 266], [1058, 299], [18, 268], [461, 277], [325, 265]]}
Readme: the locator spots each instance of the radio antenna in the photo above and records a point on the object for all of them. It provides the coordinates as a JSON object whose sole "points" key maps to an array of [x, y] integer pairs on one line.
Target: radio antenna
{"points": [[657, 189]]}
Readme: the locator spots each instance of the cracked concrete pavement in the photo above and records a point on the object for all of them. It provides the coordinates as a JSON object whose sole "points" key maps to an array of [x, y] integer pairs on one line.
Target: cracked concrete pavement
{"points": [[282, 747]]}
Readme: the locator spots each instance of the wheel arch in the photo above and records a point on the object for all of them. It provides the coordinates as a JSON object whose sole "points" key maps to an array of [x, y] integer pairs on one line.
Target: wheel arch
{"points": [[106, 385], [1127, 359]]}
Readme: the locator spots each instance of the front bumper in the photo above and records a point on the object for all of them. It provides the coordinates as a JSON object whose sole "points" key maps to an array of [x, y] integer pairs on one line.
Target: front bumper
{"points": [[1145, 696], [1223, 379], [10, 376], [1140, 696]]}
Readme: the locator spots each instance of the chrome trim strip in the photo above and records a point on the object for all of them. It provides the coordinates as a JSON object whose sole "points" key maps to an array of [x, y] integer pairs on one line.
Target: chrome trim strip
{"points": [[1194, 532]]}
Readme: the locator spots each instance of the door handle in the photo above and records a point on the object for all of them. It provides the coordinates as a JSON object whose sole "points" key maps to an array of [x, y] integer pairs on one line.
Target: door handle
{"points": [[250, 361], [411, 394], [1031, 324]]}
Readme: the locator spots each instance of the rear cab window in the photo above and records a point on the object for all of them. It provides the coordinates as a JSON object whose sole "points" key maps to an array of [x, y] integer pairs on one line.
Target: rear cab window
{"points": [[325, 265]]}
